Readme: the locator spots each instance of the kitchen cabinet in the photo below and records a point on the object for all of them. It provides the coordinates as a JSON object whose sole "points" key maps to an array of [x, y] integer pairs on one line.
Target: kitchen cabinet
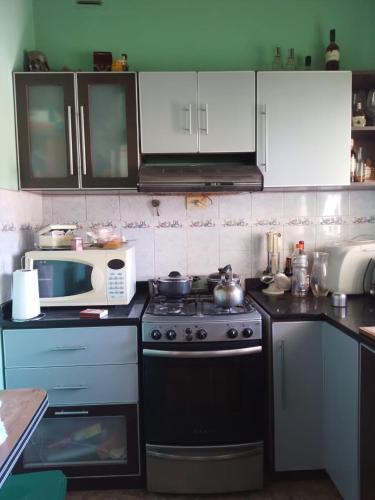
{"points": [[91, 429], [364, 137], [189, 112], [340, 368], [367, 428], [297, 395], [303, 127], [77, 130]]}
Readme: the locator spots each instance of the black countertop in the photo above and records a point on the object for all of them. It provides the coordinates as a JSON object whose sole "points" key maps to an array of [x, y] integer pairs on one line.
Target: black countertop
{"points": [[359, 312], [61, 317]]}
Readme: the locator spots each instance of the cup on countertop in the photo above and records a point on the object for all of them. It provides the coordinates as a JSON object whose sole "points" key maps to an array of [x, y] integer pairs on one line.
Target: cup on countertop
{"points": [[339, 299]]}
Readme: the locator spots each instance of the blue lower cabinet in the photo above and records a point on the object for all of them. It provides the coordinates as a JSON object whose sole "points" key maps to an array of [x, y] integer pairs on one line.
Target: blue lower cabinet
{"points": [[341, 410]]}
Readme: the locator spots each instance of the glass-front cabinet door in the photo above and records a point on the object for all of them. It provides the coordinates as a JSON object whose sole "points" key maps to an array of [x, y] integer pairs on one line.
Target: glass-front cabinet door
{"points": [[108, 129], [46, 126], [86, 441]]}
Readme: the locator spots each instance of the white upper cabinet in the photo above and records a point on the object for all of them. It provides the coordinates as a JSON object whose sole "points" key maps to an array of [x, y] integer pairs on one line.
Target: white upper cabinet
{"points": [[168, 112], [189, 112], [303, 127], [226, 102]]}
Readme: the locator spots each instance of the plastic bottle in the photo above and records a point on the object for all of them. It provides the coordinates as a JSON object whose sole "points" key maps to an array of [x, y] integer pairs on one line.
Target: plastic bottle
{"points": [[300, 277]]}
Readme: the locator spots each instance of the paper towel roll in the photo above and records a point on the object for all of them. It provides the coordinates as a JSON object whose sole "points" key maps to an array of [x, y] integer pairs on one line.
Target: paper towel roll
{"points": [[25, 294]]}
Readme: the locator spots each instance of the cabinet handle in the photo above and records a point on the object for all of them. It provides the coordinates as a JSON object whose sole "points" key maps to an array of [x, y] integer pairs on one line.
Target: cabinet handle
{"points": [[282, 374], [70, 138], [69, 387], [72, 412], [206, 112], [265, 136], [69, 348], [83, 145], [188, 110]]}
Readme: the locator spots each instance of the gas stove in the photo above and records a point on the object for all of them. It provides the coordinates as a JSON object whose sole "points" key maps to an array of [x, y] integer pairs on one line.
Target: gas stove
{"points": [[196, 318]]}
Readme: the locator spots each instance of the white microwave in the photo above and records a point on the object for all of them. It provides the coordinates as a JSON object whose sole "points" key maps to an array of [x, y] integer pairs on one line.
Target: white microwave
{"points": [[90, 277]]}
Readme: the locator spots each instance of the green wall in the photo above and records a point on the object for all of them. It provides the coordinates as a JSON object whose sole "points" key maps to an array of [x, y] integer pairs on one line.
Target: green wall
{"points": [[204, 34], [16, 34]]}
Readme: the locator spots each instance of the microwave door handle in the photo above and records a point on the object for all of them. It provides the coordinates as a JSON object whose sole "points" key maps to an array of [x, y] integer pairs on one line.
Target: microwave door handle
{"points": [[97, 279]]}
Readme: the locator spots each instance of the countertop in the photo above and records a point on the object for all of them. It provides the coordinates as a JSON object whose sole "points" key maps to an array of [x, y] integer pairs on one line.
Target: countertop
{"points": [[56, 317], [359, 312], [21, 411]]}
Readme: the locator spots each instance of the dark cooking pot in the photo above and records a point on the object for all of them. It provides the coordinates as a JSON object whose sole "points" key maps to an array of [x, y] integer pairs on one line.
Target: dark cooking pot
{"points": [[215, 278], [173, 285]]}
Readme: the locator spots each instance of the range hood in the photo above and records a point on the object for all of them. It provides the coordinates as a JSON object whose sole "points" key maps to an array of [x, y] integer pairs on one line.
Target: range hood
{"points": [[199, 173]]}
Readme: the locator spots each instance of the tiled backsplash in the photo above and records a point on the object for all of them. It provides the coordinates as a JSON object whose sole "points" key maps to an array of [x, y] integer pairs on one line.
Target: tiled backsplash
{"points": [[230, 230], [20, 216]]}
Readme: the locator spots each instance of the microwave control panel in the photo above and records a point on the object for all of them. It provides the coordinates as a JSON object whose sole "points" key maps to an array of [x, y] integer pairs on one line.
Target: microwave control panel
{"points": [[116, 279]]}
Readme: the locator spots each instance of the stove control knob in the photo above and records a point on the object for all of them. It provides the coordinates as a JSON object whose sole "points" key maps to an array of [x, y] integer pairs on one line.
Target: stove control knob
{"points": [[189, 337], [188, 331], [171, 334], [156, 335], [247, 332], [201, 334], [232, 333]]}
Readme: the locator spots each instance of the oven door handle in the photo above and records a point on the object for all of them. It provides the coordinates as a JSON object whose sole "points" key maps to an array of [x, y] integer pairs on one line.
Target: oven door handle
{"points": [[205, 458], [245, 351]]}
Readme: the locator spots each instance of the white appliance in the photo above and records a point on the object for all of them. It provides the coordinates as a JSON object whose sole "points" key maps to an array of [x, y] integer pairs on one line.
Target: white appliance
{"points": [[90, 277], [347, 265], [25, 295]]}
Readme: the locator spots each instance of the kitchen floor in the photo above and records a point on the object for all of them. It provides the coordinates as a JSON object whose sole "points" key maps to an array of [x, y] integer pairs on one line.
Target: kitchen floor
{"points": [[308, 489]]}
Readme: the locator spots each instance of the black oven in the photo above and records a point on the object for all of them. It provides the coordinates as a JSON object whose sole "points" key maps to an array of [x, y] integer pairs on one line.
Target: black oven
{"points": [[203, 394], [203, 416]]}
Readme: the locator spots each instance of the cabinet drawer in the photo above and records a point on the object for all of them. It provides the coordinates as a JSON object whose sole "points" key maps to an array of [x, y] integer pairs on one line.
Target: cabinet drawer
{"points": [[81, 384], [70, 346]]}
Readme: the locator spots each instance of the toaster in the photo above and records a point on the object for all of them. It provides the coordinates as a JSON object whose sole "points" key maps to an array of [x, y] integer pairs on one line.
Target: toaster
{"points": [[348, 266]]}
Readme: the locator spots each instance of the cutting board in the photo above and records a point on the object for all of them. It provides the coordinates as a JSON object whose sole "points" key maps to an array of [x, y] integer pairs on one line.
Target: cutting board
{"points": [[369, 331]]}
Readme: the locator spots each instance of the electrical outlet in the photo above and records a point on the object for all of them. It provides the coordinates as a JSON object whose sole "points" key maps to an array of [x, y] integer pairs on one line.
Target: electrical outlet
{"points": [[198, 201]]}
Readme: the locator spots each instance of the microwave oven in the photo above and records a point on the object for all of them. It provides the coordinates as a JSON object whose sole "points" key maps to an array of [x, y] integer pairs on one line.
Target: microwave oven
{"points": [[90, 277]]}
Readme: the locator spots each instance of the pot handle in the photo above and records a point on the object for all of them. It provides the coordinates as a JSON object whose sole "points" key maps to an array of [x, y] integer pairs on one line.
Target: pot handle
{"points": [[226, 269]]}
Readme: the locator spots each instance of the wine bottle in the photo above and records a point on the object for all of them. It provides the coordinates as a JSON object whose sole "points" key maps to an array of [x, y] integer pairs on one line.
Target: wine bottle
{"points": [[332, 52], [307, 63]]}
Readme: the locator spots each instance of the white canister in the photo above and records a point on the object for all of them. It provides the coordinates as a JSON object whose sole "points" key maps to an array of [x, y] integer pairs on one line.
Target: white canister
{"points": [[25, 294]]}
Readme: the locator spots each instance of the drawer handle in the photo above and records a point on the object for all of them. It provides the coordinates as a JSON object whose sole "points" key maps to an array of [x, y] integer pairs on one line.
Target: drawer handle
{"points": [[69, 387], [78, 412], [70, 348]]}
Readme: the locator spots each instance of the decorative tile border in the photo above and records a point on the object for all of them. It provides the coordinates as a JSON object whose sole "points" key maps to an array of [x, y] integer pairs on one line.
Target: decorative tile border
{"points": [[300, 221], [7, 228], [267, 222], [169, 224], [94, 225], [202, 223], [235, 223], [141, 224], [334, 220], [369, 219]]}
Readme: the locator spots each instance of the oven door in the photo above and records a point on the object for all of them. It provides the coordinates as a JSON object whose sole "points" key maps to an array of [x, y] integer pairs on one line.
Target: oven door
{"points": [[203, 394]]}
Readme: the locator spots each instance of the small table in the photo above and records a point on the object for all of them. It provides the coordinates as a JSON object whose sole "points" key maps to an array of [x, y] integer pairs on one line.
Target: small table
{"points": [[21, 412]]}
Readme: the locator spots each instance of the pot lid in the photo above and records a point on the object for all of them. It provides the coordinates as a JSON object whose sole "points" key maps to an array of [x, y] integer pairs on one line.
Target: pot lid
{"points": [[174, 277]]}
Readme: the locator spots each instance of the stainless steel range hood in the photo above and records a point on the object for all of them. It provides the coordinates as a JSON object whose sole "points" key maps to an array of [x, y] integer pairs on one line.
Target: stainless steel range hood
{"points": [[199, 173]]}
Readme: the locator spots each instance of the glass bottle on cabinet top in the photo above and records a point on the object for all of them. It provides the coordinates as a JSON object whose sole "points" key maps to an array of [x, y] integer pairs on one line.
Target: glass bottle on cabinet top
{"points": [[276, 63], [291, 62]]}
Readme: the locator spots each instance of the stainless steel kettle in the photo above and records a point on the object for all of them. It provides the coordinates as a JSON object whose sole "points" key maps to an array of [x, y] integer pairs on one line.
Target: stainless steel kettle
{"points": [[228, 293]]}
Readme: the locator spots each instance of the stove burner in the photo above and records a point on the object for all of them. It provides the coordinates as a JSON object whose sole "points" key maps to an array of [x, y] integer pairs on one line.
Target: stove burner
{"points": [[211, 309], [163, 306], [197, 305]]}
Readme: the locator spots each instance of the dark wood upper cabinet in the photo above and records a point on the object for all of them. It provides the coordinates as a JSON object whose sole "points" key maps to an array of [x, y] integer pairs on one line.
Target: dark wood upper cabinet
{"points": [[77, 130]]}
